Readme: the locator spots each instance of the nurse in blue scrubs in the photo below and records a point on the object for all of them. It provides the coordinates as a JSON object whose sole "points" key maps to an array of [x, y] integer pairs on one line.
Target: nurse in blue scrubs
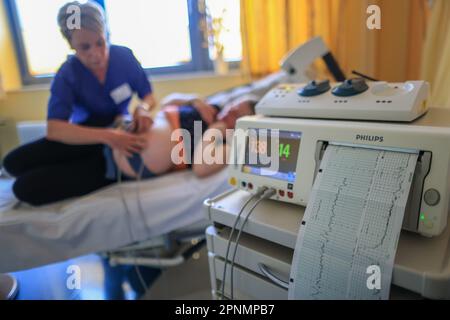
{"points": [[90, 91]]}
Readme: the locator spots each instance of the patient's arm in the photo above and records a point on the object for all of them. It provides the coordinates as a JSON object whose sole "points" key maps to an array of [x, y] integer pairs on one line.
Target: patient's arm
{"points": [[178, 99], [209, 147], [207, 111]]}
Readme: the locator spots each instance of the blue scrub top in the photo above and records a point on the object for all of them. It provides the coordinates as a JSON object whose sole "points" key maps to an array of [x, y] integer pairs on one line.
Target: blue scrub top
{"points": [[77, 95]]}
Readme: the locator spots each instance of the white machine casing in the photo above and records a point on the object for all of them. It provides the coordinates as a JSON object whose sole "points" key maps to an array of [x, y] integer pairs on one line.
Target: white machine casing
{"points": [[381, 102], [429, 135], [297, 61]]}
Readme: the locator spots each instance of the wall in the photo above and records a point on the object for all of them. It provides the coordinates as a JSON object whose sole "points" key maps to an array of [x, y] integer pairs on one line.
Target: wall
{"points": [[31, 103]]}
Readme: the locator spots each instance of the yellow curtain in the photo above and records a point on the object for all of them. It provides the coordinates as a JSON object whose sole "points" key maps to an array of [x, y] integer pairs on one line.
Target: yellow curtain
{"points": [[264, 35], [2, 90], [436, 57], [271, 28]]}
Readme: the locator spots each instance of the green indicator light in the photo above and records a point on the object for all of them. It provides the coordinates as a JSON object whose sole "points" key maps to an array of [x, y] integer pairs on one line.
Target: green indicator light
{"points": [[422, 217]]}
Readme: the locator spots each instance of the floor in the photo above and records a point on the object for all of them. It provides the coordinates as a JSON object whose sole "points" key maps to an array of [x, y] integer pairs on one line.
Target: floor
{"points": [[174, 284], [54, 282], [50, 282], [189, 281]]}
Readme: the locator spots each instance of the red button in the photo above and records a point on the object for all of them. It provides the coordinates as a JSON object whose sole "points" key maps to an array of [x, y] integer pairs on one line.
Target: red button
{"points": [[290, 195], [250, 186], [281, 193]]}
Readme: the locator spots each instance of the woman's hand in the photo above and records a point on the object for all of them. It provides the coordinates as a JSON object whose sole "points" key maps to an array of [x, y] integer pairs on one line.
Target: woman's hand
{"points": [[207, 112], [126, 143], [142, 121]]}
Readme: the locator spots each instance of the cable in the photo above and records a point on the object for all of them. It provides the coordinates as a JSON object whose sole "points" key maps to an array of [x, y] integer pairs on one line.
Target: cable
{"points": [[364, 76], [123, 126], [229, 243], [122, 196], [142, 215], [127, 210], [267, 194], [141, 278], [258, 194], [138, 193]]}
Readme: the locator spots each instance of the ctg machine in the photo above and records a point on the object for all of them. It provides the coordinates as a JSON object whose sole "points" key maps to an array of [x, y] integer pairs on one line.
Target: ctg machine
{"points": [[290, 167]]}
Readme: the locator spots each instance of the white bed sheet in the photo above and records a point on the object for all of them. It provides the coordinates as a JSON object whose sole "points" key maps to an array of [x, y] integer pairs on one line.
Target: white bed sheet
{"points": [[35, 236]]}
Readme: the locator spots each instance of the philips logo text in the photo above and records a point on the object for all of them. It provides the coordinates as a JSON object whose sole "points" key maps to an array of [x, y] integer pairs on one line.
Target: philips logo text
{"points": [[363, 137]]}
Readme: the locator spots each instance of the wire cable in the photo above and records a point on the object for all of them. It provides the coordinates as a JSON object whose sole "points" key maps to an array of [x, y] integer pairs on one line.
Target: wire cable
{"points": [[124, 202], [126, 127], [364, 76], [142, 215], [138, 194], [236, 221], [127, 210], [269, 193], [229, 243]]}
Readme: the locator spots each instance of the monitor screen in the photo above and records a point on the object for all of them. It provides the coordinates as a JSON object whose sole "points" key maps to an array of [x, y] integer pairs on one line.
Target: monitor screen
{"points": [[278, 164]]}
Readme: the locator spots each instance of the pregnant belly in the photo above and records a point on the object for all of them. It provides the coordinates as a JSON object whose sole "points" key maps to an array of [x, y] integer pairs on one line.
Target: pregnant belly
{"points": [[157, 155]]}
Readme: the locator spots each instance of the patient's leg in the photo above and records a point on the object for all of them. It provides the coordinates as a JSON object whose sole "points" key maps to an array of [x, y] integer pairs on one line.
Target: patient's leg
{"points": [[42, 153], [61, 181]]}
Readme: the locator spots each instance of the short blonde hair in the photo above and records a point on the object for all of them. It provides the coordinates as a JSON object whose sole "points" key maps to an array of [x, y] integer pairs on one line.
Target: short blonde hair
{"points": [[92, 17]]}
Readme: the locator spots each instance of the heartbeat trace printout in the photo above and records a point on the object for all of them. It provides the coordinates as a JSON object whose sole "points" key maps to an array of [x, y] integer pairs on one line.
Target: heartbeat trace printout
{"points": [[352, 221]]}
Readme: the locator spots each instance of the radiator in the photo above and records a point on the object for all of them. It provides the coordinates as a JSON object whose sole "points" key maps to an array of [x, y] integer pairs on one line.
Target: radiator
{"points": [[29, 131], [14, 134]]}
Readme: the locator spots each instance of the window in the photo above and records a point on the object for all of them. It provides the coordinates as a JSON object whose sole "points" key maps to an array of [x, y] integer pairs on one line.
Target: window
{"points": [[166, 36], [41, 47], [159, 34], [228, 12]]}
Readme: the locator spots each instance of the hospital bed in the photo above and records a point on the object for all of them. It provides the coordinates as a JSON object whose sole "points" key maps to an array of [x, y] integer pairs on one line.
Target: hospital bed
{"points": [[172, 219]]}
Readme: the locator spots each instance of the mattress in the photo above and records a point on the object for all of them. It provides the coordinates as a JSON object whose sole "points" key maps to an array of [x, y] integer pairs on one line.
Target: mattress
{"points": [[35, 236]]}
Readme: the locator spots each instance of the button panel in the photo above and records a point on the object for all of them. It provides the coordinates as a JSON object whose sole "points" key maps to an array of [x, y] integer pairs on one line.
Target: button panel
{"points": [[314, 88], [351, 87]]}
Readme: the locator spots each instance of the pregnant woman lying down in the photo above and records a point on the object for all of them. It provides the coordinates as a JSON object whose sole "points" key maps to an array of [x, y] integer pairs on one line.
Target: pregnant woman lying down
{"points": [[166, 149]]}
